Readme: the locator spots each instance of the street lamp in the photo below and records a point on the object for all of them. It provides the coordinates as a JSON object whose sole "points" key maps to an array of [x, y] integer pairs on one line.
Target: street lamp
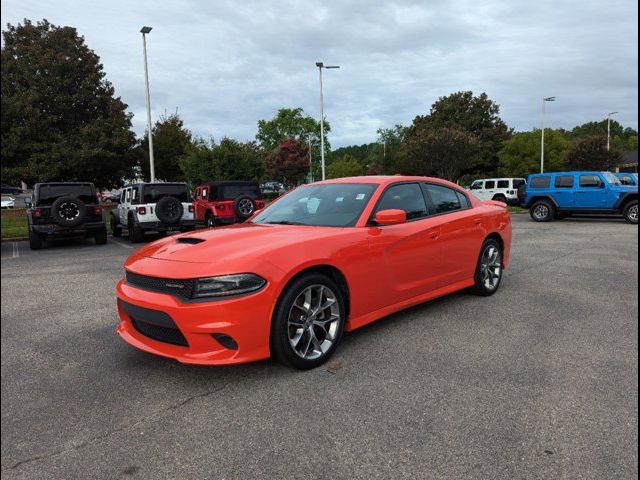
{"points": [[152, 168], [310, 160], [544, 102], [320, 66], [609, 130]]}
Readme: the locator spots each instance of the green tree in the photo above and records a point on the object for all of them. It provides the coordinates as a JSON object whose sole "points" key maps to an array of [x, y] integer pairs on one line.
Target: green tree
{"points": [[347, 166], [478, 116], [520, 155], [292, 123], [597, 128], [230, 160], [171, 142], [632, 143], [289, 163], [441, 152], [60, 118], [590, 153]]}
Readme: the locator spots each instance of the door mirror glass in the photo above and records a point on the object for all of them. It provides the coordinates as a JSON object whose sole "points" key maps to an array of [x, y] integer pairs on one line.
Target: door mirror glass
{"points": [[390, 217]]}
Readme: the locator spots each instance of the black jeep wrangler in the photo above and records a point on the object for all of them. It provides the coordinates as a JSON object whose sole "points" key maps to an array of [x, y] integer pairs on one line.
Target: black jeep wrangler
{"points": [[64, 210]]}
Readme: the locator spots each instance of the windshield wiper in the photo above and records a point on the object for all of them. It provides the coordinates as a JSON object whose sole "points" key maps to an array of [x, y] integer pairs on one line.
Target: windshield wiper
{"points": [[285, 222]]}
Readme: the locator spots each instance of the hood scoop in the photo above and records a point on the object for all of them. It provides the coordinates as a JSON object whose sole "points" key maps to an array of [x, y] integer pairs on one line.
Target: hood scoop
{"points": [[190, 240]]}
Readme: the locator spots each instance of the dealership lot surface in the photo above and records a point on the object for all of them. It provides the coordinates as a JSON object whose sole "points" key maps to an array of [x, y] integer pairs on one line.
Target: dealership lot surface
{"points": [[539, 381]]}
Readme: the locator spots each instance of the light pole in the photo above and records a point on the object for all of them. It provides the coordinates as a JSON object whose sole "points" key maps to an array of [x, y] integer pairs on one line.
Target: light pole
{"points": [[152, 168], [310, 160], [320, 66], [544, 102], [609, 130]]}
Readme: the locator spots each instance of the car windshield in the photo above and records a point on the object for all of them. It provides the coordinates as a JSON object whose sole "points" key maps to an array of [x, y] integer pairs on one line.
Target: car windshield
{"points": [[48, 194], [328, 205], [155, 191], [611, 178]]}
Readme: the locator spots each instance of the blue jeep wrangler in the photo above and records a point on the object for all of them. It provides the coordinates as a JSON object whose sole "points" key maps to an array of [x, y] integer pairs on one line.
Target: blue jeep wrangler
{"points": [[558, 195]]}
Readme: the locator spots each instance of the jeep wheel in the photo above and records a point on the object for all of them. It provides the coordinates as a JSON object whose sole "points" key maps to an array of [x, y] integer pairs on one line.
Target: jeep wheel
{"points": [[136, 234], [116, 229], [209, 220], [542, 211], [169, 210], [244, 207], [36, 242], [500, 198], [68, 211], [100, 236], [631, 212]]}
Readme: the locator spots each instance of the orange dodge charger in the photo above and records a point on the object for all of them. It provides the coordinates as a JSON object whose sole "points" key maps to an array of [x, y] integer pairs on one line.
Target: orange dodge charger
{"points": [[326, 258]]}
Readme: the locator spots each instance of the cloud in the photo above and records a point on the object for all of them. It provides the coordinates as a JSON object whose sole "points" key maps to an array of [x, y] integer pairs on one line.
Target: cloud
{"points": [[226, 64]]}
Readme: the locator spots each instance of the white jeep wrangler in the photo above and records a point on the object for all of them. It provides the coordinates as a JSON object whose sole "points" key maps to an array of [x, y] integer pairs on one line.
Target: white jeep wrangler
{"points": [[500, 189], [159, 207]]}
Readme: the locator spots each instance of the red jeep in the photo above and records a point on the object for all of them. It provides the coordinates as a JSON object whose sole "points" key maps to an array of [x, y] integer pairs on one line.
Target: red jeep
{"points": [[224, 203]]}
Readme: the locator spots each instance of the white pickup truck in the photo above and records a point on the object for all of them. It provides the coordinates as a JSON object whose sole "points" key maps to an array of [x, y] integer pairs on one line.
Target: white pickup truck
{"points": [[159, 207]]}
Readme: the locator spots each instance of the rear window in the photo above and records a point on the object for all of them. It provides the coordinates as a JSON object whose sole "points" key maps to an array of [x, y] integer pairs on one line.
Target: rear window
{"points": [[540, 182], [564, 181], [155, 191], [48, 194], [518, 182], [231, 192]]}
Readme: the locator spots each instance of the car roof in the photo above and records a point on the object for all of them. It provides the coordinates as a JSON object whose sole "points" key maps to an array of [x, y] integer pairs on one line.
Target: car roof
{"points": [[577, 172], [387, 180], [236, 183]]}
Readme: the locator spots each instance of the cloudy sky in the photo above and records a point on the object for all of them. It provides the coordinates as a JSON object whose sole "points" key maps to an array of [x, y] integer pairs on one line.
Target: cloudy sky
{"points": [[226, 64]]}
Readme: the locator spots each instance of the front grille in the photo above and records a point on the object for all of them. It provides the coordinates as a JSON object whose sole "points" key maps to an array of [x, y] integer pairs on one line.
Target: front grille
{"points": [[162, 334], [179, 288]]}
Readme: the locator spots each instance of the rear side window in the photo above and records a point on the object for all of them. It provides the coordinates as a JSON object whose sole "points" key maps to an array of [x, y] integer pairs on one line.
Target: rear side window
{"points": [[540, 182], [407, 197], [48, 194], [444, 199], [231, 192], [489, 184], [564, 181], [590, 181], [155, 191], [503, 183], [626, 180]]}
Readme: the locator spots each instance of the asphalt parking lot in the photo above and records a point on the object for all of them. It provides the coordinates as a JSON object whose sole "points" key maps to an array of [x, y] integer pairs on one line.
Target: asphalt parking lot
{"points": [[538, 381]]}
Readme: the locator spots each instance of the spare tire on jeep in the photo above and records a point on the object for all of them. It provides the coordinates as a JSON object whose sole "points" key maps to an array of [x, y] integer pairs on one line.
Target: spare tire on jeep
{"points": [[169, 210], [68, 211], [244, 207]]}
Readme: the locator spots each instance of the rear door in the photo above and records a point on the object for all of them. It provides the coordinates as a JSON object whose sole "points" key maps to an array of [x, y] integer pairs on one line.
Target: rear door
{"points": [[123, 206], [564, 193]]}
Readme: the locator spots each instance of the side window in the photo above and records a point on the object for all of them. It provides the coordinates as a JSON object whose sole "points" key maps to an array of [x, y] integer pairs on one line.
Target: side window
{"points": [[196, 194], [205, 193], [128, 195], [122, 195], [564, 181], [518, 182], [626, 180], [444, 199], [503, 183], [488, 185], [477, 185], [407, 197], [464, 200], [590, 181], [540, 182], [135, 198]]}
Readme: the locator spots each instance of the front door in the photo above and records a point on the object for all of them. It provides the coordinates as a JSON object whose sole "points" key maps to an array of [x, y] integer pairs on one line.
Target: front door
{"points": [[591, 192]]}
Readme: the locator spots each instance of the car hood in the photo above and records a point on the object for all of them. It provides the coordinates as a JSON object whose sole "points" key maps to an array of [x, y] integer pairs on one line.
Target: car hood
{"points": [[229, 244]]}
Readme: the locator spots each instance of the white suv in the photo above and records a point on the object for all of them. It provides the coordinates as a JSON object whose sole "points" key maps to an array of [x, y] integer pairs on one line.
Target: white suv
{"points": [[500, 189], [160, 207]]}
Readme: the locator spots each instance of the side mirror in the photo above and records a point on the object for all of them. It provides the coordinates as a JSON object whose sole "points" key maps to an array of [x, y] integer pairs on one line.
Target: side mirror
{"points": [[28, 202], [390, 217]]}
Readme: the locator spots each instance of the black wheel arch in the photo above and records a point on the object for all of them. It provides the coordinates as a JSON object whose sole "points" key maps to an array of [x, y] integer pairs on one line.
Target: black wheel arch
{"points": [[547, 198], [624, 199]]}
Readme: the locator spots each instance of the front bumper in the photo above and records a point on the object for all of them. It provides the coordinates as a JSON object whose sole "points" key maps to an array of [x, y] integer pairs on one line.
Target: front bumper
{"points": [[246, 320]]}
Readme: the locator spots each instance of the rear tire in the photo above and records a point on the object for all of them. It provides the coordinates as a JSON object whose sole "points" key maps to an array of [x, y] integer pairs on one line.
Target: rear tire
{"points": [[209, 220], [308, 322], [630, 212], [500, 198], [100, 237], [136, 234], [116, 228], [489, 269], [542, 211], [36, 242]]}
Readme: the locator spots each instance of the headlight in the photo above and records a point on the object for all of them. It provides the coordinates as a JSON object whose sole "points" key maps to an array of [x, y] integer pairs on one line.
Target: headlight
{"points": [[227, 285]]}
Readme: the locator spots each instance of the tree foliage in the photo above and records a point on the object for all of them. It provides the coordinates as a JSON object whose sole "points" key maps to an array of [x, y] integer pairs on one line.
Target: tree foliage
{"points": [[230, 160], [479, 116], [60, 117], [171, 142], [442, 152], [590, 153], [291, 123], [289, 163], [520, 155], [347, 166]]}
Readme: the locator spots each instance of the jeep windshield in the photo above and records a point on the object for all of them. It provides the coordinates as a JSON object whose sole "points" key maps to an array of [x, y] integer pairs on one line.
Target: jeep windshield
{"points": [[47, 194], [332, 205], [153, 192], [611, 179]]}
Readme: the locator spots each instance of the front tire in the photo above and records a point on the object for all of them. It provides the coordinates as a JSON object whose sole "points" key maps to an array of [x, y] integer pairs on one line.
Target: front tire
{"points": [[489, 269], [308, 322], [631, 212], [542, 211]]}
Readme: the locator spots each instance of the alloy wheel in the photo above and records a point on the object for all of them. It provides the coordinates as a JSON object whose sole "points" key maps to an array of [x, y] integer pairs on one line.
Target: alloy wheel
{"points": [[491, 267], [632, 214], [541, 211], [69, 210], [245, 207], [313, 322]]}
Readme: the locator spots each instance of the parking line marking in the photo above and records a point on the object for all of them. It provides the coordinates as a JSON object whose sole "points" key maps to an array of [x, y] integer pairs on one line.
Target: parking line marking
{"points": [[122, 244], [16, 252]]}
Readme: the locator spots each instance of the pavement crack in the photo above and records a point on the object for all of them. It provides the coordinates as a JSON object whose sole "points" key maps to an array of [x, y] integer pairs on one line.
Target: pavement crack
{"points": [[98, 438]]}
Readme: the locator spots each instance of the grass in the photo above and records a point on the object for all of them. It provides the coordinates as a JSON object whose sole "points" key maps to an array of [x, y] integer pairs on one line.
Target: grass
{"points": [[514, 209], [14, 222]]}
